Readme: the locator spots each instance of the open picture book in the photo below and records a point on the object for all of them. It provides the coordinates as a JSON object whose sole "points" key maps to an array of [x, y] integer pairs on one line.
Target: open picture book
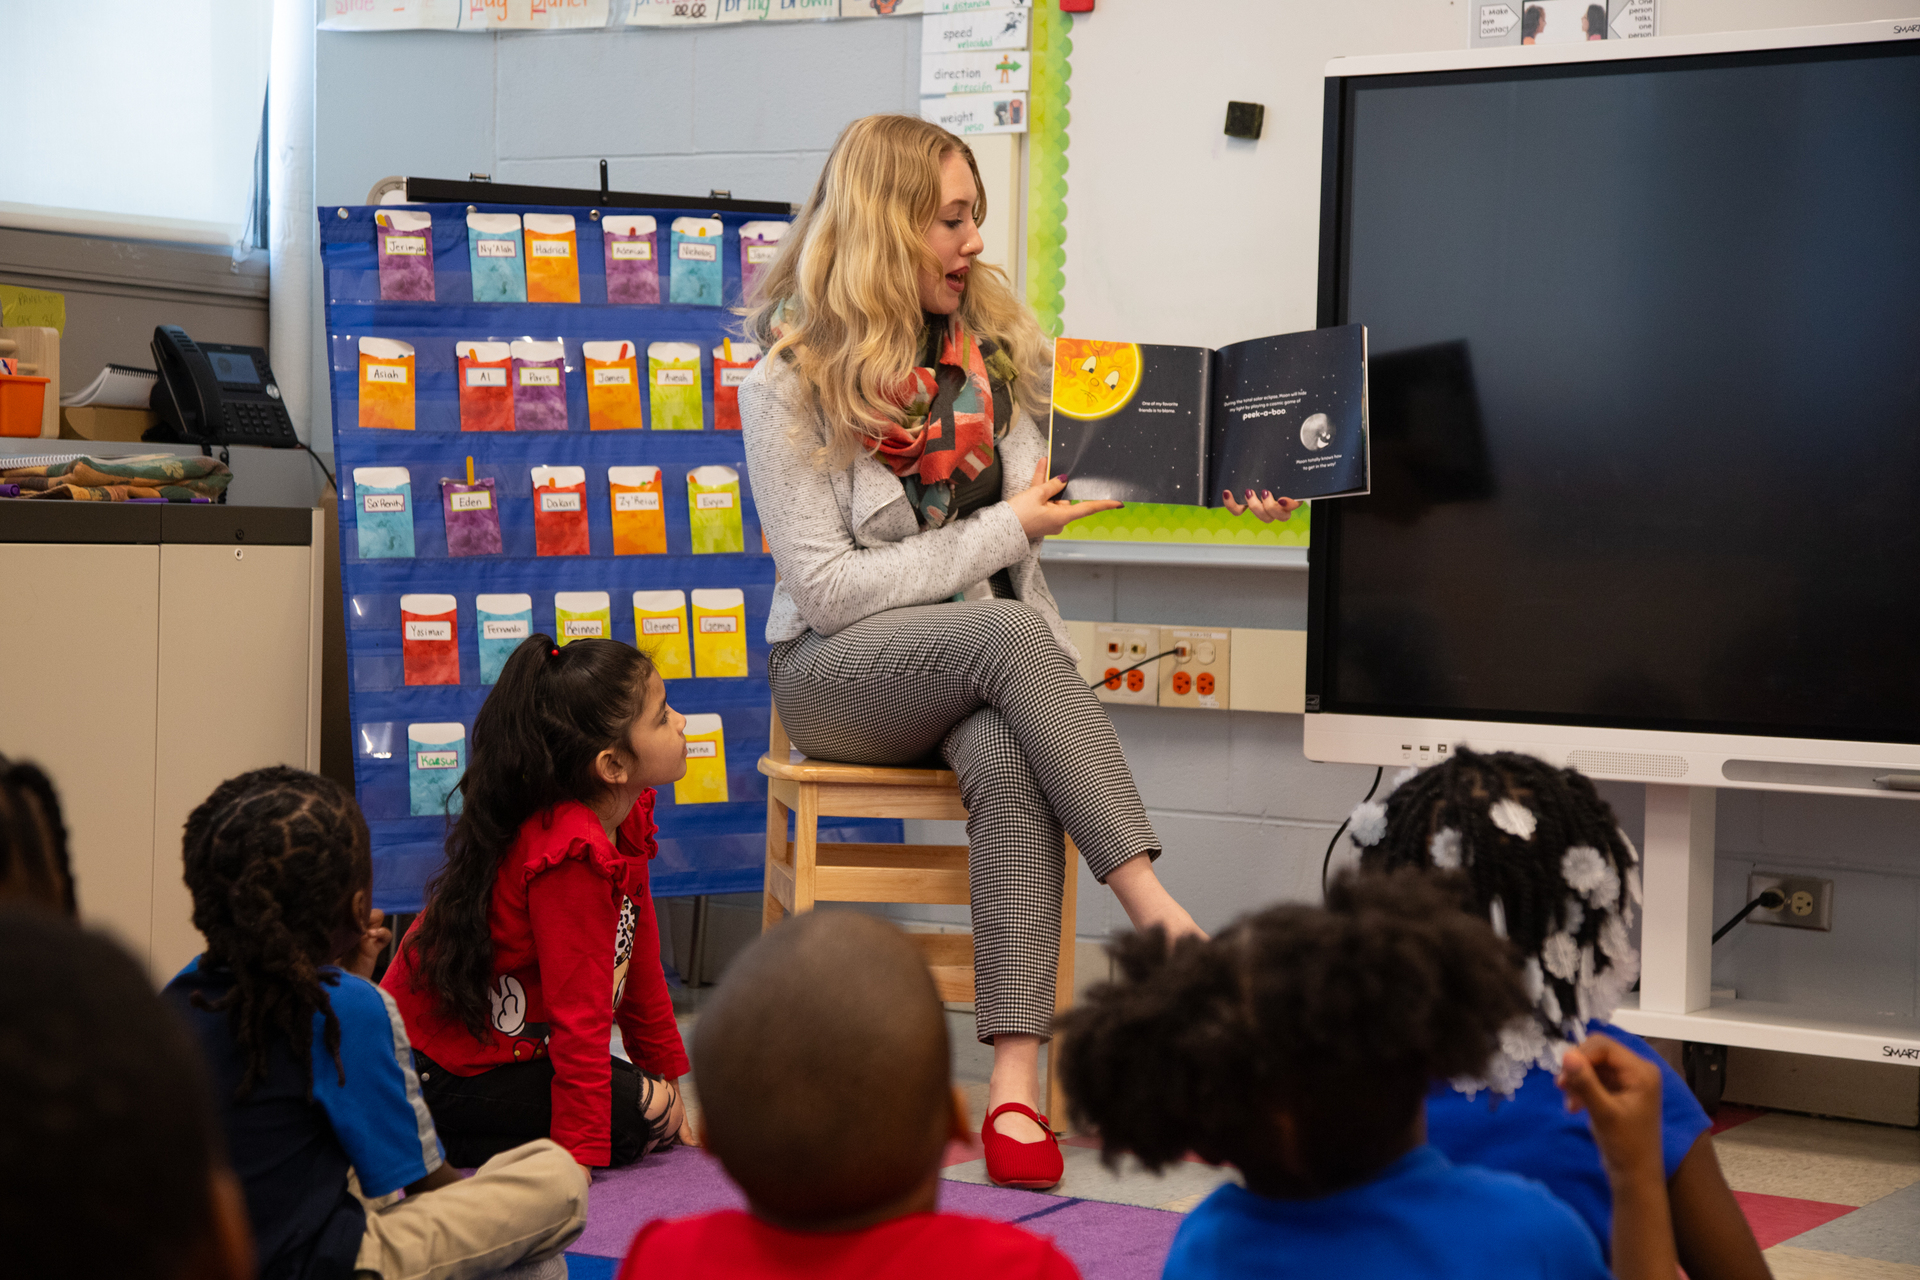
{"points": [[1285, 415]]}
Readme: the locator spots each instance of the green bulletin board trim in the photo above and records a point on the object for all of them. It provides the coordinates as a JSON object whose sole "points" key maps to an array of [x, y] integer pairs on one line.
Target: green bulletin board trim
{"points": [[1047, 120]]}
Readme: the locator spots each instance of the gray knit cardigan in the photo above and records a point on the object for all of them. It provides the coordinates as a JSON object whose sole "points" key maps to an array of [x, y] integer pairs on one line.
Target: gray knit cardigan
{"points": [[847, 543]]}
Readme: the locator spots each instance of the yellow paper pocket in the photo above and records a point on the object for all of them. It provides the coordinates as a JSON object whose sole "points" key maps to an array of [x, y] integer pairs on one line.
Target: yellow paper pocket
{"points": [[553, 264], [639, 511], [719, 632], [673, 369], [386, 384], [713, 509], [613, 385], [582, 615], [706, 780], [660, 631]]}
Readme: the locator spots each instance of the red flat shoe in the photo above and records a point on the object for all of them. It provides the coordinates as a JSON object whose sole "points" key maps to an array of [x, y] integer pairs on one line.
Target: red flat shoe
{"points": [[1031, 1166]]}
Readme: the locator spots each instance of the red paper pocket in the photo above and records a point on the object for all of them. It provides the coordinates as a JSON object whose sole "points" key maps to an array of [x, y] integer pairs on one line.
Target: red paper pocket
{"points": [[429, 640], [729, 371], [486, 393], [560, 511]]}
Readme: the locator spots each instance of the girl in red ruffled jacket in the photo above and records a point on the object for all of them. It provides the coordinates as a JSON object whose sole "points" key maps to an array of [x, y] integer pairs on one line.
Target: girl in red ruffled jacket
{"points": [[539, 931]]}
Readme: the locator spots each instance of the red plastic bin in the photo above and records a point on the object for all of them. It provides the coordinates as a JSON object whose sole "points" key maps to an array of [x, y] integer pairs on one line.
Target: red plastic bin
{"points": [[22, 401]]}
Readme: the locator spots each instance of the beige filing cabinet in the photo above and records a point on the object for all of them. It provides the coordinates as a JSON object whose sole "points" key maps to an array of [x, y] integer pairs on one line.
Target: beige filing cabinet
{"points": [[147, 653]]}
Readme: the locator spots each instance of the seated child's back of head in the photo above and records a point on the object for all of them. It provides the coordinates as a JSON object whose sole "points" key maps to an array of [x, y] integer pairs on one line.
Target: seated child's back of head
{"points": [[34, 864], [1298, 1046], [824, 1088], [109, 1156]]}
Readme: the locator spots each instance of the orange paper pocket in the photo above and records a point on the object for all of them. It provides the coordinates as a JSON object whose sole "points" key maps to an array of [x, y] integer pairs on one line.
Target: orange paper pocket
{"points": [[613, 385], [639, 516], [386, 384], [553, 263]]}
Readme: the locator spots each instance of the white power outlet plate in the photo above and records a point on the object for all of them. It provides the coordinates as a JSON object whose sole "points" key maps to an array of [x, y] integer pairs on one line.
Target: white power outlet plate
{"points": [[1117, 646], [1809, 901]]}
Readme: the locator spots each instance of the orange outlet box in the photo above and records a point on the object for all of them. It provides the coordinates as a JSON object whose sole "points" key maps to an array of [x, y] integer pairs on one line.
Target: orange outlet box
{"points": [[1196, 675]]}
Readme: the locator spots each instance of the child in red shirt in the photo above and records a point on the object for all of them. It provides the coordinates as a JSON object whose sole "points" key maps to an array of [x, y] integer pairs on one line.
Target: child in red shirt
{"points": [[539, 933], [824, 1092]]}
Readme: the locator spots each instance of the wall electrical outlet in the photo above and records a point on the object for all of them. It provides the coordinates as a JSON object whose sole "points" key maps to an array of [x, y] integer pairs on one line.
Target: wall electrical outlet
{"points": [[1809, 901], [1117, 646], [1196, 675]]}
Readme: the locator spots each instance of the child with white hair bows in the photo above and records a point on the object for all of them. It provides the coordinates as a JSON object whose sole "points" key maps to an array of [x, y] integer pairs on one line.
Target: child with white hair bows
{"points": [[1545, 861]]}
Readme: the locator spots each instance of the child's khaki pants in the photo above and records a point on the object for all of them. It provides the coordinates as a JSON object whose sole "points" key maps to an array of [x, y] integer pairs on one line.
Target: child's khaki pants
{"points": [[524, 1205]]}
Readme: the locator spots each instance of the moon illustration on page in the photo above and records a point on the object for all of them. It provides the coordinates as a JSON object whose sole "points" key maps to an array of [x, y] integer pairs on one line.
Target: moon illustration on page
{"points": [[1316, 432]]}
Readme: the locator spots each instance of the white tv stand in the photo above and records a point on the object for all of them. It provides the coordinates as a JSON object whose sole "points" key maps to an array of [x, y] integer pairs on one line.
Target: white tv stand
{"points": [[1676, 999]]}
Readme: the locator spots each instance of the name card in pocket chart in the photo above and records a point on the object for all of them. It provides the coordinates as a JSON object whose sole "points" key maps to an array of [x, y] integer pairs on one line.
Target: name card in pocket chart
{"points": [[639, 512], [673, 368], [472, 516], [504, 621], [553, 262], [713, 509], [719, 632], [486, 385], [436, 761], [496, 257], [633, 260], [429, 639], [560, 511], [383, 512], [696, 274], [759, 247], [539, 385], [732, 362], [660, 632], [613, 385], [386, 384], [582, 615], [403, 242], [706, 778]]}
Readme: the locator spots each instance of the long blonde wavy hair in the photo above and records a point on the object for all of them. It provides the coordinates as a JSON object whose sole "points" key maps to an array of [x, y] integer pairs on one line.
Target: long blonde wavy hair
{"points": [[842, 300]]}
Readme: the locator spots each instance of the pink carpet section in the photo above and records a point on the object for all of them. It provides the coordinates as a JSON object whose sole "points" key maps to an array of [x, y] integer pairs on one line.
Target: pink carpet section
{"points": [[1108, 1241], [1728, 1117], [1778, 1218]]}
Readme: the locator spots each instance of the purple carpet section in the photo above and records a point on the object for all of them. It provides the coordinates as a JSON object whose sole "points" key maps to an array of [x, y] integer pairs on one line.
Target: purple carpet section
{"points": [[1106, 1241]]}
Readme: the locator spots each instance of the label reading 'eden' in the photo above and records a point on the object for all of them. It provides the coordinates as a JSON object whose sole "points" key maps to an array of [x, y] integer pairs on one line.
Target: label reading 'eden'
{"points": [[481, 501]]}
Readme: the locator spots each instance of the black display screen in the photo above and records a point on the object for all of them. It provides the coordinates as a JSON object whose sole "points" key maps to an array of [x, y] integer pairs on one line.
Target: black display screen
{"points": [[1645, 395], [232, 366]]}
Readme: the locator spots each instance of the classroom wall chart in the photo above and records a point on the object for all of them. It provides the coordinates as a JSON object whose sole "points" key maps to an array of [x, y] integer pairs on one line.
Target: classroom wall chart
{"points": [[518, 455]]}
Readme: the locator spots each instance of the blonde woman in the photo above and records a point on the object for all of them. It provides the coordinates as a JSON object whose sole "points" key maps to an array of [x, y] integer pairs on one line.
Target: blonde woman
{"points": [[902, 486]]}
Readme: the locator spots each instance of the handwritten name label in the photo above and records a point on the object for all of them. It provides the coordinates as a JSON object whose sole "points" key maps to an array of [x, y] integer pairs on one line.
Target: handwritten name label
{"points": [[675, 377], [713, 502], [436, 759], [578, 627], [636, 502], [386, 373], [539, 377], [481, 501], [550, 249], [429, 631], [486, 377], [659, 626], [633, 251], [699, 251], [559, 502], [376, 503], [490, 247], [512, 629], [719, 626], [612, 377]]}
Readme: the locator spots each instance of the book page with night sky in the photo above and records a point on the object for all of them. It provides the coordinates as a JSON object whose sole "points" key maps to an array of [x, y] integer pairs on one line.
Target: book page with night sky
{"points": [[1130, 421], [1289, 416]]}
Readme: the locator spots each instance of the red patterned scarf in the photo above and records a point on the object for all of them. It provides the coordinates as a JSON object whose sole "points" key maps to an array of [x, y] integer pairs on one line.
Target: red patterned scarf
{"points": [[949, 426]]}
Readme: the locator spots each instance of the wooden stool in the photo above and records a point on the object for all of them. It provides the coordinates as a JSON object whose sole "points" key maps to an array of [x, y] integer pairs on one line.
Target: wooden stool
{"points": [[802, 871]]}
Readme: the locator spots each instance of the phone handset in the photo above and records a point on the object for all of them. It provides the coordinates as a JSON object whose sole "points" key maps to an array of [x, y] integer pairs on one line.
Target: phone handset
{"points": [[186, 377]]}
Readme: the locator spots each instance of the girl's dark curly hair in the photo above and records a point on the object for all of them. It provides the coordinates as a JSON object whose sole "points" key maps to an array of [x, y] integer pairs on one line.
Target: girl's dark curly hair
{"points": [[1536, 886], [552, 712], [1341, 1016], [273, 860], [34, 862]]}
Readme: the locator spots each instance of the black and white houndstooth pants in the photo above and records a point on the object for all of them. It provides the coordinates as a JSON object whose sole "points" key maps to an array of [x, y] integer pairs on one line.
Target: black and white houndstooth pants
{"points": [[983, 683]]}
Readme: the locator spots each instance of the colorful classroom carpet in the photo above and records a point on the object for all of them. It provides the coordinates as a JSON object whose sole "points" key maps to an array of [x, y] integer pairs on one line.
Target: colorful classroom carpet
{"points": [[1105, 1240]]}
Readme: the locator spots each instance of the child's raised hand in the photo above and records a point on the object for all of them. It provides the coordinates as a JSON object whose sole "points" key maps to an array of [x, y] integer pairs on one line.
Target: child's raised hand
{"points": [[1620, 1092], [366, 953]]}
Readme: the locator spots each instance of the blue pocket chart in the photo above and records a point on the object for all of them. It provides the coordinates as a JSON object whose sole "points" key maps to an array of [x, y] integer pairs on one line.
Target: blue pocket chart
{"points": [[505, 621], [383, 512], [436, 761]]}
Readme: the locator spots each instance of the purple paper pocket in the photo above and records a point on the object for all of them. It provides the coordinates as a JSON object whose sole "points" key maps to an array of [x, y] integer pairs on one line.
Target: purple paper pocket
{"points": [[473, 518], [403, 239], [633, 261], [539, 386]]}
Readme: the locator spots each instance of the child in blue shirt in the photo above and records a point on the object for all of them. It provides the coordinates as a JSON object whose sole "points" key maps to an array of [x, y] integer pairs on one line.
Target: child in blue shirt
{"points": [[1298, 1047], [1549, 867], [322, 1112]]}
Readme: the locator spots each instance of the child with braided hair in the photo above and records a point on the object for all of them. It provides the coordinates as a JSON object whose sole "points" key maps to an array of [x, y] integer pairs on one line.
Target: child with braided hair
{"points": [[34, 863], [539, 936], [1298, 1046], [1548, 865], [321, 1109]]}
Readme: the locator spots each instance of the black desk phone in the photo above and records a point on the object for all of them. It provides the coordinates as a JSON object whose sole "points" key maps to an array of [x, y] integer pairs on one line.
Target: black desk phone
{"points": [[211, 393]]}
